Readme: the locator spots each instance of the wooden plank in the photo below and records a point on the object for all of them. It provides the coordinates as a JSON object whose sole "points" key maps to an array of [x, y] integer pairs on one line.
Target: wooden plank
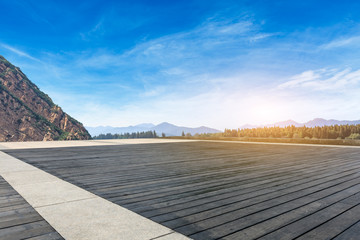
{"points": [[211, 190], [18, 220], [257, 195], [24, 231], [335, 226], [231, 222], [351, 233], [231, 212], [259, 230], [255, 188], [308, 225]]}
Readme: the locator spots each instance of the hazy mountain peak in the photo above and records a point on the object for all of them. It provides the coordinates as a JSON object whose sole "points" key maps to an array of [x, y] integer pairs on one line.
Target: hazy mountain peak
{"points": [[145, 125], [165, 124]]}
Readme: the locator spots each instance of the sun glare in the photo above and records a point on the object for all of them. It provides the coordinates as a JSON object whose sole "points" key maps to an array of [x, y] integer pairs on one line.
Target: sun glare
{"points": [[266, 111]]}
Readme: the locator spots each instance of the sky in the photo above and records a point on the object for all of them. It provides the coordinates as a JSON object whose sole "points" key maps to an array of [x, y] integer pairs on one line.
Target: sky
{"points": [[220, 64]]}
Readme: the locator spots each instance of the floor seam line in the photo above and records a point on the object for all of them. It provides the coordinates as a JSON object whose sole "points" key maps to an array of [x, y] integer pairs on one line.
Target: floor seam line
{"points": [[78, 200]]}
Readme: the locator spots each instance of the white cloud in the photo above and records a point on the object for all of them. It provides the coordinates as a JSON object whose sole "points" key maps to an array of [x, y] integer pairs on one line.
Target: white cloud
{"points": [[97, 31], [342, 42], [183, 47], [300, 79], [324, 80], [261, 36], [226, 27], [19, 52]]}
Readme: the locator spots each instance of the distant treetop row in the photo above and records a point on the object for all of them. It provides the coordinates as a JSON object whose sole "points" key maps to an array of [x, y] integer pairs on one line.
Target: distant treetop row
{"points": [[325, 132]]}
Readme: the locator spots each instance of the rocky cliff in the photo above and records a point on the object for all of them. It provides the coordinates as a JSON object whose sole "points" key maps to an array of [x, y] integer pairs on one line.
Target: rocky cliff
{"points": [[28, 114]]}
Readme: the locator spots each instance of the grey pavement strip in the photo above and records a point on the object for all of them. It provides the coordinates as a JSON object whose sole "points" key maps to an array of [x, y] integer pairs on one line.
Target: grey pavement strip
{"points": [[83, 143]]}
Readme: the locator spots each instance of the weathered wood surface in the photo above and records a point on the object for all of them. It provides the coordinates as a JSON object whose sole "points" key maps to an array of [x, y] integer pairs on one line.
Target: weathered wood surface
{"points": [[18, 220], [212, 190]]}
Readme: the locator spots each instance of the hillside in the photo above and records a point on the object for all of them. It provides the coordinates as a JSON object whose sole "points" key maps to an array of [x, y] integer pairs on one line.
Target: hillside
{"points": [[28, 114]]}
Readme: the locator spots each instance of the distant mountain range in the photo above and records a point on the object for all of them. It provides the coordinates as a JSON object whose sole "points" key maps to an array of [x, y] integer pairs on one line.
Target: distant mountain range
{"points": [[173, 130], [317, 122], [167, 128]]}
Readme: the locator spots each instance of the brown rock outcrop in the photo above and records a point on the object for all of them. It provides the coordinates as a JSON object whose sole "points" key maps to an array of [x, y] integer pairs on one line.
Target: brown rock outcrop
{"points": [[28, 114]]}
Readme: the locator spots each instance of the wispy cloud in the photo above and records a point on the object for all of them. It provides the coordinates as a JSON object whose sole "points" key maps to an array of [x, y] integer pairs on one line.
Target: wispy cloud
{"points": [[96, 31], [261, 36], [195, 44], [342, 42], [186, 63], [324, 80], [19, 52]]}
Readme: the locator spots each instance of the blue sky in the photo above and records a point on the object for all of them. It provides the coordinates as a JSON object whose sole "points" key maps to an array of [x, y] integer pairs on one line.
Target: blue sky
{"points": [[216, 63]]}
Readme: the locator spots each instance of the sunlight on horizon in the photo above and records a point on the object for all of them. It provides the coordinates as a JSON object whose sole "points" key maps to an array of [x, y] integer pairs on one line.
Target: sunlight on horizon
{"points": [[266, 111]]}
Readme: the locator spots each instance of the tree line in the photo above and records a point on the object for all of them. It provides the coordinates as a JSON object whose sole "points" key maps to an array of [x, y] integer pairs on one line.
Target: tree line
{"points": [[148, 134], [324, 132]]}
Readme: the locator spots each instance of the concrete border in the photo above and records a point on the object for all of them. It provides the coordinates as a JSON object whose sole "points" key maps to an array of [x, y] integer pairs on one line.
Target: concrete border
{"points": [[75, 213], [84, 143]]}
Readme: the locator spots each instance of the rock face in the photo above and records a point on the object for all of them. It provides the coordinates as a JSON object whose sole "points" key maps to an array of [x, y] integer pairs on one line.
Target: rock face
{"points": [[28, 114]]}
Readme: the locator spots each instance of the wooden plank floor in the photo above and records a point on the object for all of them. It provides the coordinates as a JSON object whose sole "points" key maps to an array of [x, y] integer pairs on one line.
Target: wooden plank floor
{"points": [[18, 220], [214, 190]]}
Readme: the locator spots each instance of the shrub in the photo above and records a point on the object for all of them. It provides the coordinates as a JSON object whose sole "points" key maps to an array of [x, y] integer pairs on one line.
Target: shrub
{"points": [[354, 136]]}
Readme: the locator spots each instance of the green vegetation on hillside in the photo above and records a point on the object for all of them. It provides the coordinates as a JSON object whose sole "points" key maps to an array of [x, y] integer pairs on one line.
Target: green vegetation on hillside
{"points": [[40, 119], [16, 70]]}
